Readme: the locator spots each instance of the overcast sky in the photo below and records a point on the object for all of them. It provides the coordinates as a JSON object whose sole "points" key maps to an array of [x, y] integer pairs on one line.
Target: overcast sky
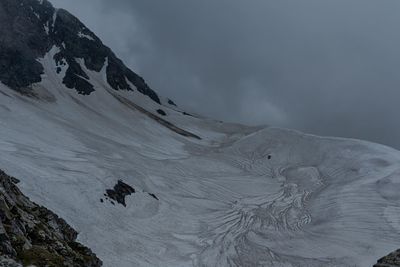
{"points": [[329, 67]]}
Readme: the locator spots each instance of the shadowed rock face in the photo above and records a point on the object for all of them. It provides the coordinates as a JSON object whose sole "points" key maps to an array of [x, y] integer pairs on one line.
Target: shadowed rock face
{"points": [[31, 234], [23, 39], [30, 28]]}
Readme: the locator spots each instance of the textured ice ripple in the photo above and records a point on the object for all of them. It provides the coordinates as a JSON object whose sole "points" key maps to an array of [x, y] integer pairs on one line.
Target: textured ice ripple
{"points": [[238, 235]]}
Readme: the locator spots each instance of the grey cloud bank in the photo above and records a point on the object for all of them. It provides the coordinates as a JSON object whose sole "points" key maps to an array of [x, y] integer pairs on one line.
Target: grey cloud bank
{"points": [[324, 67]]}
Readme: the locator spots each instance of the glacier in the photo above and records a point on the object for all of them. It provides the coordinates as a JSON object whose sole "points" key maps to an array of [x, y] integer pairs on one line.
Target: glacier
{"points": [[235, 196]]}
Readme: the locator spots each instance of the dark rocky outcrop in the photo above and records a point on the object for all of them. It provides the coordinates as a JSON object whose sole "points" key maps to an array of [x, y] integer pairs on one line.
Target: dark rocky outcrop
{"points": [[33, 235], [120, 191], [172, 103], [30, 28], [161, 112], [391, 260]]}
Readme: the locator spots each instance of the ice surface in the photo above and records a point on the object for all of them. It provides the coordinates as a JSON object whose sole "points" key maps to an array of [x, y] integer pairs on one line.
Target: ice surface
{"points": [[241, 196]]}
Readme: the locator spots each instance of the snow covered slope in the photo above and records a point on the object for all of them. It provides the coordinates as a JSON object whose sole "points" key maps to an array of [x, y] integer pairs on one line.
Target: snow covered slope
{"points": [[206, 193]]}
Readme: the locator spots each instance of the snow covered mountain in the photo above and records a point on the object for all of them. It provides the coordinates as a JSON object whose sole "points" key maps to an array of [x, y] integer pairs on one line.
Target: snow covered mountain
{"points": [[146, 184]]}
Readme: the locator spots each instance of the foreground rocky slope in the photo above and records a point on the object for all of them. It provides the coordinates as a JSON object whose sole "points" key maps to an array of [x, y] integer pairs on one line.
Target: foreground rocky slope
{"points": [[31, 234], [391, 260]]}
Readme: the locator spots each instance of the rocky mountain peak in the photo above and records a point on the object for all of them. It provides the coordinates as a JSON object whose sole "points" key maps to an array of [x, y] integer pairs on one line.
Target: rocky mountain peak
{"points": [[30, 28]]}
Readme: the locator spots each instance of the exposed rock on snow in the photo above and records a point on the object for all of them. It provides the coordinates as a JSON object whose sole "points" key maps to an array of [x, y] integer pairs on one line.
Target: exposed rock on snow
{"points": [[120, 191], [161, 112], [172, 103], [31, 234]]}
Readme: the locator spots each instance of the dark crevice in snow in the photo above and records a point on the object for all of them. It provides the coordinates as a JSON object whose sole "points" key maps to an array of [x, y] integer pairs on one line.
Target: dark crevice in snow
{"points": [[153, 196]]}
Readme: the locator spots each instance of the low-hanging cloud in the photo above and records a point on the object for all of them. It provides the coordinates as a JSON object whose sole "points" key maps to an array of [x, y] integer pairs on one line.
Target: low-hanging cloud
{"points": [[324, 67]]}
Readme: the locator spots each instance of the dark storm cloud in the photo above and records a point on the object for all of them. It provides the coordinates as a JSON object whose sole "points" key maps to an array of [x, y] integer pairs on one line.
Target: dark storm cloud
{"points": [[325, 67]]}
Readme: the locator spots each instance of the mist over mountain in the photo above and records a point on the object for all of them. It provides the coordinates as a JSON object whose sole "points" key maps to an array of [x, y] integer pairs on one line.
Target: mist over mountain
{"points": [[327, 68]]}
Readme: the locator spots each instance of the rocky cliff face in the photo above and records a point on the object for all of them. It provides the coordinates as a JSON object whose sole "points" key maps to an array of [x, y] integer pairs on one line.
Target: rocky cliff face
{"points": [[30, 28], [31, 234]]}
